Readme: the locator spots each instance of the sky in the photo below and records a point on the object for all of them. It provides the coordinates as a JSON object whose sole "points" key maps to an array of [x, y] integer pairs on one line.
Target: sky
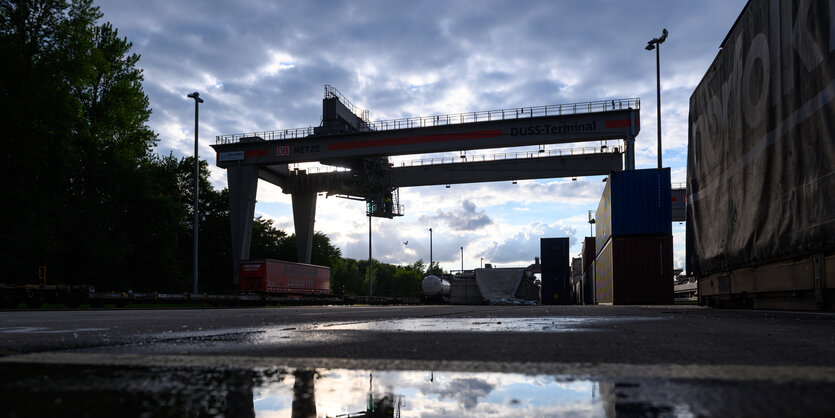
{"points": [[263, 66]]}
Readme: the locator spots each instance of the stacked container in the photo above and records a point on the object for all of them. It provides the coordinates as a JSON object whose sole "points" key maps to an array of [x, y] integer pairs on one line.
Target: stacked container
{"points": [[589, 253], [556, 271], [634, 243]]}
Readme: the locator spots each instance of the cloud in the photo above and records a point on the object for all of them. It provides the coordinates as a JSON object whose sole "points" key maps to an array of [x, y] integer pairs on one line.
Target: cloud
{"points": [[524, 245], [465, 391], [467, 218]]}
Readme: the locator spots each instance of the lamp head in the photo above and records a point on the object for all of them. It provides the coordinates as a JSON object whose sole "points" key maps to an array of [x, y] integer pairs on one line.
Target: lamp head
{"points": [[664, 34], [195, 96], [650, 46]]}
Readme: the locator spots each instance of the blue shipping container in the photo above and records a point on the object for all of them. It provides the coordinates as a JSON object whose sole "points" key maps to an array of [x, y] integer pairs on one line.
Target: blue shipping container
{"points": [[634, 203]]}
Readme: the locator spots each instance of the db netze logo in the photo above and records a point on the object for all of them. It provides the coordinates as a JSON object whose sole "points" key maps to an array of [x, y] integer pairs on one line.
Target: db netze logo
{"points": [[282, 151]]}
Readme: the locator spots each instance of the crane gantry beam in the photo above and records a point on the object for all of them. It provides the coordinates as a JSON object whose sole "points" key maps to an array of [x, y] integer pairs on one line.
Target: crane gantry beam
{"points": [[441, 137]]}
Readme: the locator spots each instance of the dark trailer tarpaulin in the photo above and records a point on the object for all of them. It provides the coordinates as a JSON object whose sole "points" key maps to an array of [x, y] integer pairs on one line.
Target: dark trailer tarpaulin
{"points": [[761, 152]]}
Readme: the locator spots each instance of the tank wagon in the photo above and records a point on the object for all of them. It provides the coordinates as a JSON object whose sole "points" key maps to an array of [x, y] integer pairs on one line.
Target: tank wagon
{"points": [[435, 289]]}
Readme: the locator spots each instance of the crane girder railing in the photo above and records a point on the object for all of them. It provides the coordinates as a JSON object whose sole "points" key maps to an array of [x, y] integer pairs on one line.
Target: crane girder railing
{"points": [[490, 133], [442, 120], [332, 92]]}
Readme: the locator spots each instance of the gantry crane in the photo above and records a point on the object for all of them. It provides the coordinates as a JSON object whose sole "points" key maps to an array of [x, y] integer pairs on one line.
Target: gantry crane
{"points": [[359, 151]]}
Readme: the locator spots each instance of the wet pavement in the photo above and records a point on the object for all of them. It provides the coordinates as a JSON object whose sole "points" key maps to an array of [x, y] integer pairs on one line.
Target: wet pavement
{"points": [[418, 361]]}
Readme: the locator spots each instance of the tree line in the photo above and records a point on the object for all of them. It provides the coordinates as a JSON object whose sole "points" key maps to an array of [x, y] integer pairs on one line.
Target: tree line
{"points": [[85, 195]]}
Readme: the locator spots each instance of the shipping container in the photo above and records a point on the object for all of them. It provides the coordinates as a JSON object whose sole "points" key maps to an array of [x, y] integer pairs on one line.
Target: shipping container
{"points": [[576, 266], [554, 254], [635, 270], [465, 292], [588, 286], [556, 287], [634, 203], [761, 148], [589, 252], [276, 276]]}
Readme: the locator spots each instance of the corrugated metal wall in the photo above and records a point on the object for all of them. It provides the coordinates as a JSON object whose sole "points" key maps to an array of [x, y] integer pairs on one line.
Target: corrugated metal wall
{"points": [[556, 271], [554, 253], [634, 202], [556, 287], [635, 270], [589, 251]]}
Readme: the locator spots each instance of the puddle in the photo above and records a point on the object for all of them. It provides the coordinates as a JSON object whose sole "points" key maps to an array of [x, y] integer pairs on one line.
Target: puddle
{"points": [[63, 390], [572, 324]]}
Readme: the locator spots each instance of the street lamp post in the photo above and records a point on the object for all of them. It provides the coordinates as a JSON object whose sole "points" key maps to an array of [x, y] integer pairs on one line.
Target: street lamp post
{"points": [[197, 101], [591, 223], [370, 288], [430, 248], [655, 43], [462, 260], [482, 262]]}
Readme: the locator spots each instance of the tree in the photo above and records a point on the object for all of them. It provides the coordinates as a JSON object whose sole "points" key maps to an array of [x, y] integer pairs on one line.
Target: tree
{"points": [[346, 278], [406, 283], [74, 116], [435, 269]]}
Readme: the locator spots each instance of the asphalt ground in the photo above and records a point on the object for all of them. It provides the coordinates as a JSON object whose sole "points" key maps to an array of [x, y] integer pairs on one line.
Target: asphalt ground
{"points": [[741, 358]]}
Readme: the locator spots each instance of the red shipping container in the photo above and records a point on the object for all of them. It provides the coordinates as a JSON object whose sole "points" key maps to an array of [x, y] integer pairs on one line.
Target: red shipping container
{"points": [[635, 270], [589, 252], [276, 276]]}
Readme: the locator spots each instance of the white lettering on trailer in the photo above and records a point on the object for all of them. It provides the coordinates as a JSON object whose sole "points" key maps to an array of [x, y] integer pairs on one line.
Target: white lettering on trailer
{"points": [[300, 283]]}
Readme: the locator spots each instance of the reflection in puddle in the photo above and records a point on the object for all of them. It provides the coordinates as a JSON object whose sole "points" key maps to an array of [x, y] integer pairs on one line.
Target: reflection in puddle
{"points": [[358, 393], [45, 390]]}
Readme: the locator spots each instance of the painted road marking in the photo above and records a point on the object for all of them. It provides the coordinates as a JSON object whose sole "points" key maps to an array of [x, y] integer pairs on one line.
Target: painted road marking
{"points": [[46, 330]]}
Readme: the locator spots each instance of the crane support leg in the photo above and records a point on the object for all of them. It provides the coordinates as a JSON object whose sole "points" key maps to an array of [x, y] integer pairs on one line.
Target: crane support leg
{"points": [[243, 186], [629, 164], [304, 214]]}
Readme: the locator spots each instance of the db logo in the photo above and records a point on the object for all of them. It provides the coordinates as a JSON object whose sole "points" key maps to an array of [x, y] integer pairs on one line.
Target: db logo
{"points": [[282, 151]]}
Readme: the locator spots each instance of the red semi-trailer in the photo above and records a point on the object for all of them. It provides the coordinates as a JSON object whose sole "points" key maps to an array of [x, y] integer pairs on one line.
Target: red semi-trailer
{"points": [[276, 276]]}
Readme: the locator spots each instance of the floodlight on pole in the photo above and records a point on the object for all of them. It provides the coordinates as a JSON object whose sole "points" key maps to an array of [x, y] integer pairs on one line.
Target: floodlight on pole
{"points": [[197, 101], [655, 43], [430, 248]]}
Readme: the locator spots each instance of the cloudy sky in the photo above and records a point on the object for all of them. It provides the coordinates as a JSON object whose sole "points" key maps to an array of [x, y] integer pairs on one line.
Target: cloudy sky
{"points": [[262, 65]]}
